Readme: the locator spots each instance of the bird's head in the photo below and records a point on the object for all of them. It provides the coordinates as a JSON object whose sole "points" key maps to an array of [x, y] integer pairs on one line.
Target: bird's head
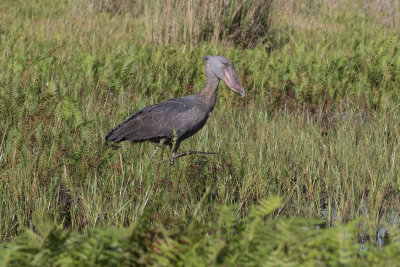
{"points": [[223, 69]]}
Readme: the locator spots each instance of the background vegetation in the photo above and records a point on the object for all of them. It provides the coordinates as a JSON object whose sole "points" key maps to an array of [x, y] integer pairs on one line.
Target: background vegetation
{"points": [[318, 128]]}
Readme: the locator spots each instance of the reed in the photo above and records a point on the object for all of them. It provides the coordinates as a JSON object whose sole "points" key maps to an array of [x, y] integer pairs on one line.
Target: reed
{"points": [[192, 22], [318, 128]]}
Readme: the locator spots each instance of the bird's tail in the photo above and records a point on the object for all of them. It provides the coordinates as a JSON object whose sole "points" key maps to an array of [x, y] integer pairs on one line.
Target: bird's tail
{"points": [[116, 134]]}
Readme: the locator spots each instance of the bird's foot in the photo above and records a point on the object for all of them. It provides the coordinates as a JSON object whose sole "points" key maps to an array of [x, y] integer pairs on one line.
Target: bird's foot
{"points": [[190, 152]]}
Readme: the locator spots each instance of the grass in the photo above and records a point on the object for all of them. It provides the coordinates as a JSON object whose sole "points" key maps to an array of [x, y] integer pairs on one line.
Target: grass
{"points": [[192, 22], [318, 128], [189, 241]]}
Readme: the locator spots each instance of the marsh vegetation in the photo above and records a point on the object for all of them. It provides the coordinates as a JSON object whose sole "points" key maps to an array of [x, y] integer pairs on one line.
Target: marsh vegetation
{"points": [[308, 164]]}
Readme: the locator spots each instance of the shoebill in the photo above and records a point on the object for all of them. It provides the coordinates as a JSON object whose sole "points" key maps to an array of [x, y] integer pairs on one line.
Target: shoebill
{"points": [[172, 121]]}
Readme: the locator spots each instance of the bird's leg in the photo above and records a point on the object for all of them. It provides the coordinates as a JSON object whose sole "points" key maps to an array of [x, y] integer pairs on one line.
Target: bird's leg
{"points": [[171, 161], [154, 153], [190, 152], [162, 141], [174, 149]]}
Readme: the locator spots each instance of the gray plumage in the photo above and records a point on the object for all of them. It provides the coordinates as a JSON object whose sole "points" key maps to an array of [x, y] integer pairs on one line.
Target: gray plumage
{"points": [[183, 116]]}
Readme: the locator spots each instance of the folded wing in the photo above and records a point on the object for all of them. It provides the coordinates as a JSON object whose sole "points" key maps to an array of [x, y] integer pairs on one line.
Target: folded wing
{"points": [[158, 121]]}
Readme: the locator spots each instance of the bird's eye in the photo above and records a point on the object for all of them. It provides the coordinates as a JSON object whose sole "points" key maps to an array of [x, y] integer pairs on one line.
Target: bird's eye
{"points": [[226, 64]]}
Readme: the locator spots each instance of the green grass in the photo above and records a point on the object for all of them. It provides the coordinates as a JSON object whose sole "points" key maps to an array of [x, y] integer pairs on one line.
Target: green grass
{"points": [[318, 128], [189, 241]]}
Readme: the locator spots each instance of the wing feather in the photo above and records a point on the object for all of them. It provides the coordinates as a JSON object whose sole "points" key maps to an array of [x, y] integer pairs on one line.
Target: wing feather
{"points": [[159, 121]]}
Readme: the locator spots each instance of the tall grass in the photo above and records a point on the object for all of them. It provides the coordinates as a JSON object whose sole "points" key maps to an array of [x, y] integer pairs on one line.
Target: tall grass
{"points": [[318, 127], [191, 22], [313, 13]]}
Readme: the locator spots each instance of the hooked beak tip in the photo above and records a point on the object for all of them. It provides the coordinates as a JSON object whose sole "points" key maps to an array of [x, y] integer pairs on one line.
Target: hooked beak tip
{"points": [[232, 81]]}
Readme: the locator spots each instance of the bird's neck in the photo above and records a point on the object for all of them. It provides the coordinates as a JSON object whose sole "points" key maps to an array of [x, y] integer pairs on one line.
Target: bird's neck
{"points": [[209, 94]]}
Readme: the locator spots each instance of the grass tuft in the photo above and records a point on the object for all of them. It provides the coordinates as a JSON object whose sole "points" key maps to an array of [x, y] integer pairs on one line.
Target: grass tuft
{"points": [[318, 128]]}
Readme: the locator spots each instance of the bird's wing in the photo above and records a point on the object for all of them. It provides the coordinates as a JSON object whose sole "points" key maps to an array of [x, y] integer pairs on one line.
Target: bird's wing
{"points": [[159, 120]]}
